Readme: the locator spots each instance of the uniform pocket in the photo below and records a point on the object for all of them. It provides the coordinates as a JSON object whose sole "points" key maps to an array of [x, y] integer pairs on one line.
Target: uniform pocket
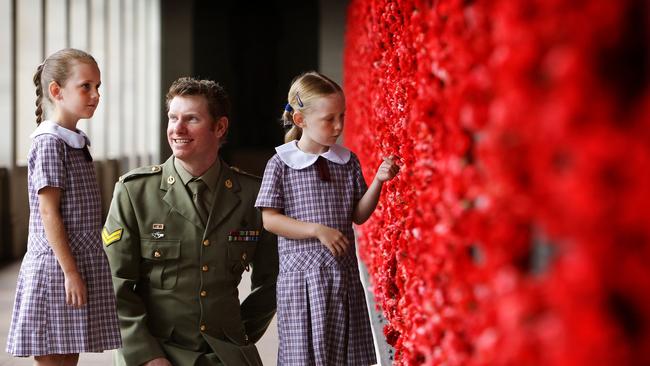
{"points": [[240, 255], [162, 258], [161, 330], [232, 354]]}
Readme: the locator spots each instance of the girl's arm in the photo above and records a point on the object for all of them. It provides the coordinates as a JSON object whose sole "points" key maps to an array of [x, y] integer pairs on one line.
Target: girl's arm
{"points": [[49, 199], [279, 224], [367, 204]]}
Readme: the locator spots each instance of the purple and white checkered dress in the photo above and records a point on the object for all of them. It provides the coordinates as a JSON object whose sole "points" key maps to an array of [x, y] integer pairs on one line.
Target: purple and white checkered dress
{"points": [[322, 313], [42, 323]]}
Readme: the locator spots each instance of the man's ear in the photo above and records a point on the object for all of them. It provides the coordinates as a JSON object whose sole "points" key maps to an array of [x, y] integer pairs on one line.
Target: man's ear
{"points": [[299, 119], [221, 127], [54, 89]]}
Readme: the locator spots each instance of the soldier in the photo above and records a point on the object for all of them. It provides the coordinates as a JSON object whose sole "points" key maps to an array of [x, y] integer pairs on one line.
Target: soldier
{"points": [[178, 238]]}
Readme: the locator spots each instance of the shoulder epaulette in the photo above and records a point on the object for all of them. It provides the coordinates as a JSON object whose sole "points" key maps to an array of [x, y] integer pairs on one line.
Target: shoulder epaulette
{"points": [[142, 171], [237, 170]]}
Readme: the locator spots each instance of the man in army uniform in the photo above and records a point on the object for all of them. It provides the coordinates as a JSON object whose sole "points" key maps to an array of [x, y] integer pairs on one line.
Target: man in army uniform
{"points": [[179, 236]]}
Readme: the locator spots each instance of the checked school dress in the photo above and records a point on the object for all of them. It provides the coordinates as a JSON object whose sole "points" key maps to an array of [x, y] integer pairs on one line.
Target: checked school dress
{"points": [[322, 313], [42, 323]]}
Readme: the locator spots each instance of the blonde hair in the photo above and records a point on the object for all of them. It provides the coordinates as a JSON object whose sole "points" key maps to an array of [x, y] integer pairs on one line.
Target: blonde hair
{"points": [[304, 90], [57, 68]]}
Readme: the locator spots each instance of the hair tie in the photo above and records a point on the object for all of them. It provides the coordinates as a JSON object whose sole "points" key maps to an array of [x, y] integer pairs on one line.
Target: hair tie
{"points": [[299, 100], [288, 108]]}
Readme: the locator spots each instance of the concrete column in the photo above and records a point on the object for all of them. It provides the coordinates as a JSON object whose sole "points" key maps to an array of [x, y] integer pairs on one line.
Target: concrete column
{"points": [[177, 51]]}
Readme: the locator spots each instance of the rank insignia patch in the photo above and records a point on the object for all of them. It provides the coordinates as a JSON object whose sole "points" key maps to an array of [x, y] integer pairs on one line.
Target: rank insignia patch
{"points": [[110, 238]]}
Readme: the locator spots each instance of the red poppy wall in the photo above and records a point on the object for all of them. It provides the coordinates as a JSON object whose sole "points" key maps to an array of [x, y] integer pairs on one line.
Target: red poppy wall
{"points": [[518, 230]]}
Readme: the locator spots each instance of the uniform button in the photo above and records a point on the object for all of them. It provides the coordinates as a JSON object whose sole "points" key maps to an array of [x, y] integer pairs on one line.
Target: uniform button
{"points": [[203, 327], [206, 243], [157, 254], [204, 268], [204, 293]]}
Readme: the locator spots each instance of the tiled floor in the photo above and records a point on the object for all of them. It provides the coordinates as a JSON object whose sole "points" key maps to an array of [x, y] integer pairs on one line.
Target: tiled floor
{"points": [[267, 345]]}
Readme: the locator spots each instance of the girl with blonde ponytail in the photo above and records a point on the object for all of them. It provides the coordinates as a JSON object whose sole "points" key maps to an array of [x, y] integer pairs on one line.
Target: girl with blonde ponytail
{"points": [[312, 192]]}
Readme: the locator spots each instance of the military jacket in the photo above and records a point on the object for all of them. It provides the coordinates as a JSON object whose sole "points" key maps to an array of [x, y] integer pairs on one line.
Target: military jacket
{"points": [[176, 278]]}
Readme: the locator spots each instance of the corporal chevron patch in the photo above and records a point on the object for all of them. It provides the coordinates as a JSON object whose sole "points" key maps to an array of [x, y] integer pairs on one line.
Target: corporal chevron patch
{"points": [[110, 238]]}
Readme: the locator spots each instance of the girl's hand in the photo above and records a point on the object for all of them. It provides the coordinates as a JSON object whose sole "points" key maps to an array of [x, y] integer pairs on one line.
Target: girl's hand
{"points": [[75, 290], [333, 239], [387, 170]]}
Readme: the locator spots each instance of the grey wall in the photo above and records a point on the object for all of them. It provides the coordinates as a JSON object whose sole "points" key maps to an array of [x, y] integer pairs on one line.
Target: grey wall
{"points": [[177, 54], [332, 32]]}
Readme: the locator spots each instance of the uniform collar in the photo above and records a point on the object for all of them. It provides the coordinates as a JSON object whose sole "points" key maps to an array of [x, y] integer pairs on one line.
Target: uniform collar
{"points": [[226, 193], [210, 177], [295, 158], [73, 139]]}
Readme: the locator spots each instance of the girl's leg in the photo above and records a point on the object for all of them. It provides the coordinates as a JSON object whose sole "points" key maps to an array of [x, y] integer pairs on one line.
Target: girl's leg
{"points": [[48, 360], [71, 360], [57, 360]]}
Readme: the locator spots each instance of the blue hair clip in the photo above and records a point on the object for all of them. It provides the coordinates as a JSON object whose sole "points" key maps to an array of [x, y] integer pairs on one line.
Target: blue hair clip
{"points": [[288, 108], [299, 100]]}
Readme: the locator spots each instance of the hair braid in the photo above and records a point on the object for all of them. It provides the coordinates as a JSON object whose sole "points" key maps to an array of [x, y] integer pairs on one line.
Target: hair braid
{"points": [[39, 93]]}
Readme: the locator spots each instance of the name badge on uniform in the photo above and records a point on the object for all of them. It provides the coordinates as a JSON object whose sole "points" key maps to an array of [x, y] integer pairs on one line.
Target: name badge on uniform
{"points": [[244, 235], [157, 233]]}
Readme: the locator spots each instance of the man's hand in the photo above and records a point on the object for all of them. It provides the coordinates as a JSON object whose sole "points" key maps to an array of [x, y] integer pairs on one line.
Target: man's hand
{"points": [[160, 361]]}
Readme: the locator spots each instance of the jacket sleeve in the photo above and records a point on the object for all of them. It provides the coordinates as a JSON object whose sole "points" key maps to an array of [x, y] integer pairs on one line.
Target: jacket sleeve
{"points": [[122, 245], [259, 307]]}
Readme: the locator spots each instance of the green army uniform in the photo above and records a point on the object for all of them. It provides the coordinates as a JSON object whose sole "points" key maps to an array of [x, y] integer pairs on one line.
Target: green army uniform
{"points": [[176, 278]]}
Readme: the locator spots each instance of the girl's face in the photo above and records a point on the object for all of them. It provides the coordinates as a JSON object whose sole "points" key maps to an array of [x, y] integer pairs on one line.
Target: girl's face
{"points": [[79, 96], [322, 124]]}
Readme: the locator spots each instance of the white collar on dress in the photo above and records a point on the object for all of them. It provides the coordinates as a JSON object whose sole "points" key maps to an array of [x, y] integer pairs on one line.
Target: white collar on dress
{"points": [[76, 140], [295, 158]]}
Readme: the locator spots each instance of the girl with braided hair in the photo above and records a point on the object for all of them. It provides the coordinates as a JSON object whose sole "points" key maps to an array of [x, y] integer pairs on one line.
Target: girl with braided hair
{"points": [[64, 302]]}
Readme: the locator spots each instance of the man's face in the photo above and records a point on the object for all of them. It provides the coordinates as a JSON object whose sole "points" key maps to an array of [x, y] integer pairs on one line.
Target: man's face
{"points": [[192, 132]]}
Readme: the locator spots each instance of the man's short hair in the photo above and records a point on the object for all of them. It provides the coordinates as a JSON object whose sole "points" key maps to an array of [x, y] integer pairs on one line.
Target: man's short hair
{"points": [[214, 93]]}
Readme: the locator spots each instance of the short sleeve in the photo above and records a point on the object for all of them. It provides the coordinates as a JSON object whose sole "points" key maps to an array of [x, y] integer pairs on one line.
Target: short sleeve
{"points": [[47, 162], [360, 186], [272, 191]]}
